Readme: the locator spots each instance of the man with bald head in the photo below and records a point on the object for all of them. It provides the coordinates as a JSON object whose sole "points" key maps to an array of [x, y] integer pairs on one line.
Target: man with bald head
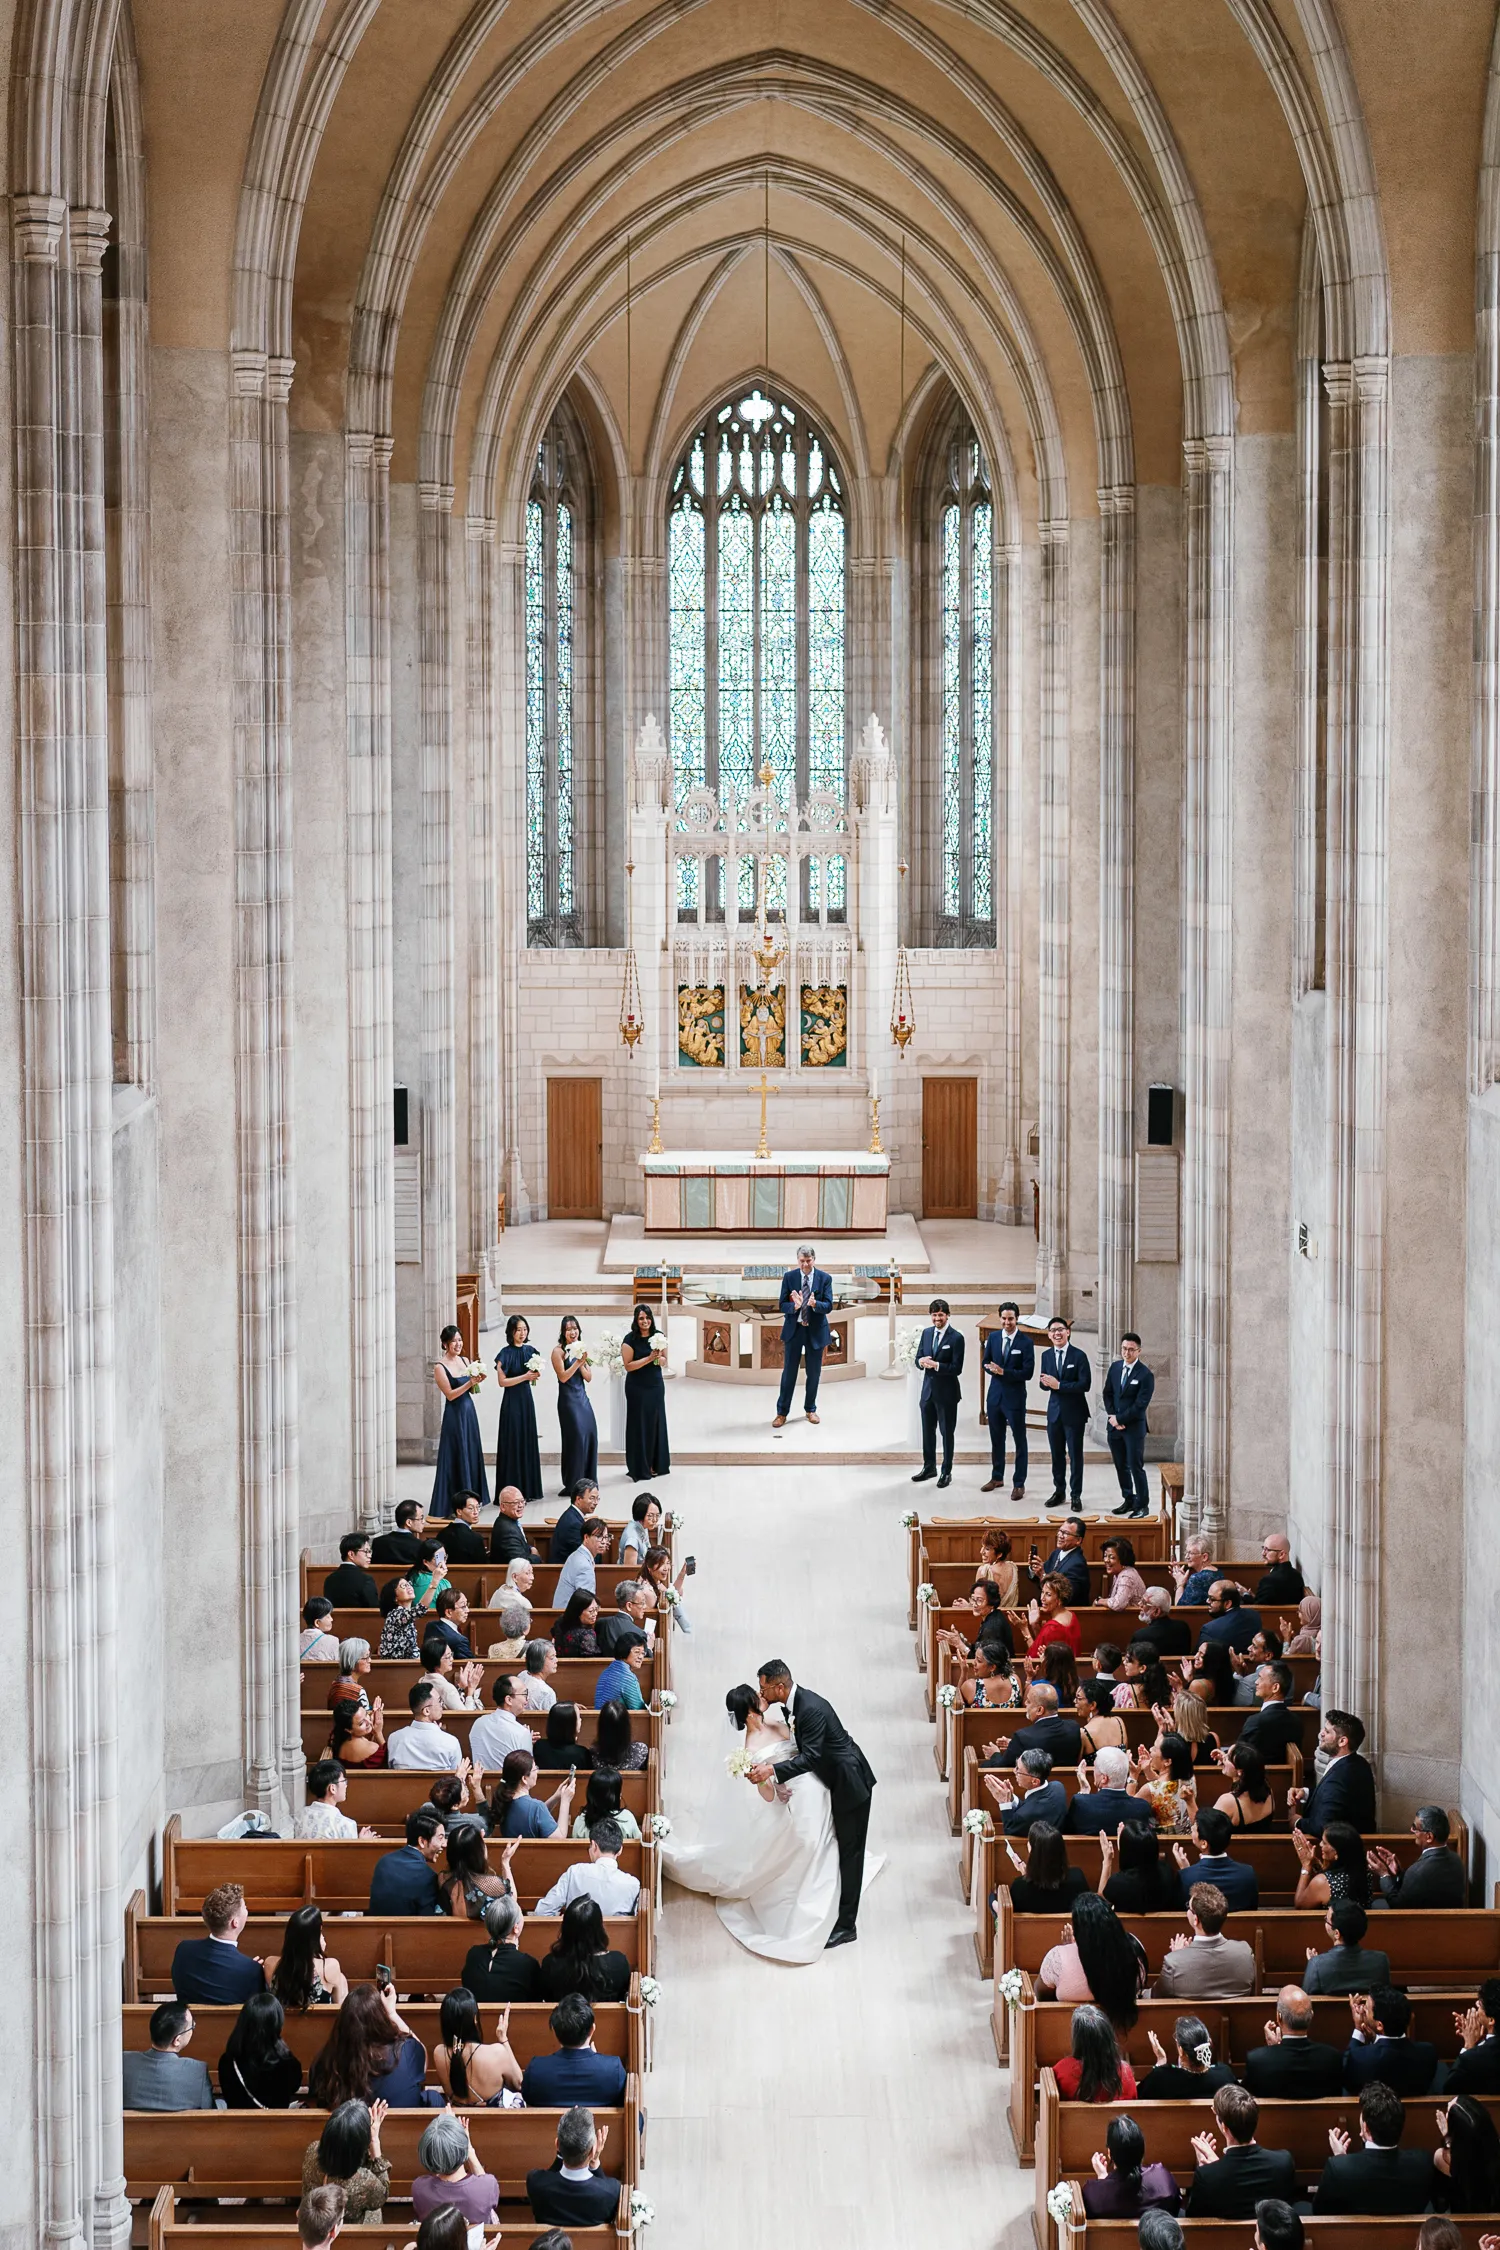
{"points": [[1292, 2066], [1282, 1581], [508, 1542]]}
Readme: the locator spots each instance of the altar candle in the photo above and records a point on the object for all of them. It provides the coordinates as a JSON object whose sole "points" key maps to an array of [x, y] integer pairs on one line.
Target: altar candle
{"points": [[874, 1082]]}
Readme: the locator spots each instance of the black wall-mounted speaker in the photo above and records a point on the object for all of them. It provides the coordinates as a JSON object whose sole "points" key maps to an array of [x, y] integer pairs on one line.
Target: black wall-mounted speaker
{"points": [[1160, 1115], [399, 1113]]}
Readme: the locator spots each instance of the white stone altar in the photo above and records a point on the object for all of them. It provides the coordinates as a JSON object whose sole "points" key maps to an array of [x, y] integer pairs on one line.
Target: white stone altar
{"points": [[811, 1192]]}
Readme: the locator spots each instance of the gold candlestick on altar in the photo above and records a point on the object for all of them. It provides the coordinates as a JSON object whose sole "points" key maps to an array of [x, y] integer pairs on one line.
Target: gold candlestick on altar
{"points": [[762, 1148], [875, 1147], [654, 1145]]}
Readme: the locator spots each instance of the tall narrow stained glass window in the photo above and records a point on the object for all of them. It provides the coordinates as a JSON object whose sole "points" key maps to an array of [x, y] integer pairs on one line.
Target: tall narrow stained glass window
{"points": [[553, 541], [965, 571], [756, 547]]}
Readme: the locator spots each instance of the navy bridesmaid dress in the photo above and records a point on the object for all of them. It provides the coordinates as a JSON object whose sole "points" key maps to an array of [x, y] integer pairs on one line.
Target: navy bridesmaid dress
{"points": [[580, 1432], [460, 1459], [647, 1453], [518, 1455]]}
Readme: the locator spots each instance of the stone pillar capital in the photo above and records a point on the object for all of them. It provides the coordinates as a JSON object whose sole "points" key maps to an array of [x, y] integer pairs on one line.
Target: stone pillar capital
{"points": [[88, 238], [1116, 499], [37, 223], [434, 498], [480, 530], [278, 379]]}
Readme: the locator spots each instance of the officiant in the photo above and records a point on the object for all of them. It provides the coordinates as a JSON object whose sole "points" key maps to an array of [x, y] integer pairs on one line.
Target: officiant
{"points": [[806, 1302]]}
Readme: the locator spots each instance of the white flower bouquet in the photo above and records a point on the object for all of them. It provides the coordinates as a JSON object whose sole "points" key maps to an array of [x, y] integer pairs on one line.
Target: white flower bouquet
{"points": [[607, 1353], [477, 1370], [641, 2212], [576, 1352], [675, 1519], [928, 1593], [664, 1700], [908, 1519], [1060, 2205], [659, 1826], [737, 1765], [1009, 1988], [650, 1991], [947, 1695], [975, 1821]]}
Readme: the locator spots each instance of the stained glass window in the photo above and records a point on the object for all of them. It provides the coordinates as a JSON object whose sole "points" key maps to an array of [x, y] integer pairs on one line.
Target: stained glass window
{"points": [[554, 517], [756, 545], [965, 702]]}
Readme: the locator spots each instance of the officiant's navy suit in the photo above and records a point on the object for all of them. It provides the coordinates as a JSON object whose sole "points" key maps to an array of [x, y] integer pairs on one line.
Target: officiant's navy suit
{"points": [[941, 1392], [1010, 1363], [1067, 1415], [799, 1336]]}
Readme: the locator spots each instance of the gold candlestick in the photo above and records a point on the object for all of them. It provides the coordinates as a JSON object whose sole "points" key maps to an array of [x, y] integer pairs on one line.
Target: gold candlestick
{"points": [[762, 1148], [653, 1147], [875, 1147]]}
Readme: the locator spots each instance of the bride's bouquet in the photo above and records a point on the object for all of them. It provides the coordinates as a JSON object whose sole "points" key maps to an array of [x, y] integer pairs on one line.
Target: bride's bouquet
{"points": [[739, 1762]]}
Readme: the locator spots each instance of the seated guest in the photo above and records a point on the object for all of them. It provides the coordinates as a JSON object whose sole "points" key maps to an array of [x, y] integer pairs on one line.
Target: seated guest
{"points": [[1468, 2161], [507, 1539], [1170, 1635], [558, 1745], [1044, 1883], [1124, 2185], [1278, 2226], [1346, 1791], [304, 1974], [1144, 1680], [354, 1663], [986, 1681], [405, 1881], [1099, 1961], [569, 1530], [450, 1615], [1188, 1716], [164, 2077], [1034, 1795], [1192, 2075], [492, 1738], [257, 2069], [602, 1801], [1228, 1621], [351, 1586], [1045, 1729], [469, 2068], [211, 1972], [513, 1809], [1265, 1648], [320, 2217], [1209, 1673], [1292, 2066], [582, 1959], [458, 1798], [1110, 1801], [1334, 1868], [1380, 2179], [1094, 2070], [424, 1745], [1300, 1634], [618, 1682], [1050, 1618], [461, 1533], [1434, 1878], [430, 1578], [1132, 1874], [1274, 1725], [1207, 1965], [320, 1818], [1234, 1877], [499, 1972], [1282, 1581], [1346, 1967], [1379, 2046], [643, 1531], [317, 1644], [599, 1877], [515, 1626], [398, 1621], [614, 1743], [575, 1632], [540, 1661], [457, 1689], [1124, 1587], [347, 2154], [514, 1589], [1166, 1785], [578, 1573], [453, 2174], [1231, 2185], [358, 1737], [370, 2055], [469, 1883], [1067, 1560], [404, 1544], [990, 1622], [1100, 1726], [1194, 1577], [573, 2192], [1477, 2070], [1249, 1801], [576, 2073]]}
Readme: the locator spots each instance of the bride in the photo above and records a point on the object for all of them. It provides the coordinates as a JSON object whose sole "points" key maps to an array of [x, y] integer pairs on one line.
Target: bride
{"points": [[766, 1855]]}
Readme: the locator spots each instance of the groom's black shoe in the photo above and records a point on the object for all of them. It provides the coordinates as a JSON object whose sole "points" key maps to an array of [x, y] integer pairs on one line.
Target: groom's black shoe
{"points": [[922, 1475], [841, 1936], [945, 1478]]}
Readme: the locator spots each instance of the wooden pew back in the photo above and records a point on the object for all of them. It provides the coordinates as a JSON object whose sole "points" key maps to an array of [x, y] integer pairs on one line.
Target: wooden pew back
{"points": [[279, 1876], [617, 2029], [174, 2227], [939, 1539], [317, 1723], [382, 1798], [964, 1728]]}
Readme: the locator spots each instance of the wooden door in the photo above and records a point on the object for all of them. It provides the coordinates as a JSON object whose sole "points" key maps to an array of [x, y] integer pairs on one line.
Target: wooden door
{"points": [[575, 1148], [950, 1148]]}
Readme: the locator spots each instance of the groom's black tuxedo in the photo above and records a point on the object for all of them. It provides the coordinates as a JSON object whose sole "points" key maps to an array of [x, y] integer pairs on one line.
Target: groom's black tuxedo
{"points": [[825, 1747]]}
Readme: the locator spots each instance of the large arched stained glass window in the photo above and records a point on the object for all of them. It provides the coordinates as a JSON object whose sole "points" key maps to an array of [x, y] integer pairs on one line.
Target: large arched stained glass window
{"points": [[555, 521], [756, 548], [965, 652]]}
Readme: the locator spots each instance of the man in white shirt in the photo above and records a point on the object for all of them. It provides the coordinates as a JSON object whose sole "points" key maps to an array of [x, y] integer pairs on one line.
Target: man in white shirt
{"points": [[599, 1877], [578, 1570], [492, 1738], [423, 1746], [320, 1820], [541, 1663]]}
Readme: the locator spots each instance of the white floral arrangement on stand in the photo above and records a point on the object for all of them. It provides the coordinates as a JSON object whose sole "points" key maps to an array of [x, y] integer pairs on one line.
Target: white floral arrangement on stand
{"points": [[664, 1700], [976, 1823], [947, 1695], [642, 2213], [1061, 2207], [908, 1519], [928, 1593], [607, 1354], [1008, 1985], [660, 1827], [908, 1336], [650, 1991]]}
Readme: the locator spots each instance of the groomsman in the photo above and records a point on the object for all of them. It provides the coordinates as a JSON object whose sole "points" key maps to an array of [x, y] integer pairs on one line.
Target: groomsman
{"points": [[806, 1302], [1066, 1376], [1127, 1394], [1010, 1363], [940, 1355]]}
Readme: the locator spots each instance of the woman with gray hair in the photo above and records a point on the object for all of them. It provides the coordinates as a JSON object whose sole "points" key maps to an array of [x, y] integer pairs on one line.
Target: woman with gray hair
{"points": [[349, 1687], [453, 2172], [515, 1590], [515, 1627], [500, 1972]]}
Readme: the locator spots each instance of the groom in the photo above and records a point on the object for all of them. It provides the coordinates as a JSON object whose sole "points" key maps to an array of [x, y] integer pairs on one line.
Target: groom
{"points": [[825, 1749]]}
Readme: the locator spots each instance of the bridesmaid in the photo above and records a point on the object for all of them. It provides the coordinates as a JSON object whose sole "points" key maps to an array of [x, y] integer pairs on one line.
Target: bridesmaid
{"points": [[460, 1460], [575, 1412], [643, 1348], [518, 1456]]}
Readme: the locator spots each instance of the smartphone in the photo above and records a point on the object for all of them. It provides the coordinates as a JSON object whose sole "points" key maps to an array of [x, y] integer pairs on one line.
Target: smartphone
{"points": [[690, 1566], [383, 1976]]}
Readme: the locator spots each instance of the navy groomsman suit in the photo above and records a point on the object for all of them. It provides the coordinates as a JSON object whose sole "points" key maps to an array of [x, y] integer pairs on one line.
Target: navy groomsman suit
{"points": [[1067, 1417], [804, 1332], [1127, 1394], [941, 1393], [1010, 1363]]}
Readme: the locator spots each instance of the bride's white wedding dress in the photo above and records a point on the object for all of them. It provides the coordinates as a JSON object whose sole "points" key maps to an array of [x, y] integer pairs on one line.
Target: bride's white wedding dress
{"points": [[771, 1868]]}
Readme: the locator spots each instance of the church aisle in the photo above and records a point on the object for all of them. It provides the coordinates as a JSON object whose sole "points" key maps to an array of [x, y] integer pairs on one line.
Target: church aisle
{"points": [[848, 2103]]}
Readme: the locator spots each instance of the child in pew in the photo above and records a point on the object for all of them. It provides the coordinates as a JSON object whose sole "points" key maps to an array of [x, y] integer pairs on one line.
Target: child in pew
{"points": [[1124, 2185]]}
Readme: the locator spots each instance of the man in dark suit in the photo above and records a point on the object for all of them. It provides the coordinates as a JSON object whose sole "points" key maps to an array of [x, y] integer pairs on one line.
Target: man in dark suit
{"points": [[462, 1536], [403, 1546], [572, 2191], [1010, 1363], [1477, 2070], [508, 1540], [351, 1586], [1379, 2047], [405, 1881], [212, 1972], [1230, 2186], [1102, 1808], [1069, 1561], [576, 2073], [162, 2077], [1346, 1966], [940, 1355], [450, 1620], [567, 1532], [1281, 1580], [1034, 1795], [1347, 1789], [1228, 1619], [806, 1301], [1434, 1878], [1293, 2066], [632, 1608], [1066, 1376], [1046, 1729], [824, 1747], [1380, 2179], [1236, 1878], [1274, 1725], [1127, 1394], [1168, 1635]]}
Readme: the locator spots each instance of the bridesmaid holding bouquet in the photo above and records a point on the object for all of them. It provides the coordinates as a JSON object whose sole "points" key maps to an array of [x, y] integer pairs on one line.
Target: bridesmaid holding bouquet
{"points": [[460, 1460], [575, 1412], [518, 1456]]}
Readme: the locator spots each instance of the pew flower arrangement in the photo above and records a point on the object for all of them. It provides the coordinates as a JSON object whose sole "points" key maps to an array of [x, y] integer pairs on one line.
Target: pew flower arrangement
{"points": [[650, 1991], [641, 2212], [927, 1593], [664, 1700], [947, 1695], [1060, 2205], [908, 1519], [1009, 1987], [675, 1519], [670, 1598], [660, 1827], [976, 1823]]}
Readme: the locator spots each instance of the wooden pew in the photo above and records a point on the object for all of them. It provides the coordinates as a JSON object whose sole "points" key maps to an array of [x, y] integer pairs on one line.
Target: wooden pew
{"points": [[383, 1798], [1229, 2234], [174, 2227], [1437, 1949], [618, 2029], [279, 1876], [953, 1579], [1041, 2034], [574, 1680], [222, 2152], [1069, 2132], [1095, 1625], [973, 1797], [425, 1952], [317, 1726], [966, 1727], [471, 1577], [938, 1539]]}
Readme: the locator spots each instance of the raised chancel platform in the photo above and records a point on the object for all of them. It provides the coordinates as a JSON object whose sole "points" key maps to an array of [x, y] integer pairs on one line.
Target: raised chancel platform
{"points": [[731, 1191], [628, 1245]]}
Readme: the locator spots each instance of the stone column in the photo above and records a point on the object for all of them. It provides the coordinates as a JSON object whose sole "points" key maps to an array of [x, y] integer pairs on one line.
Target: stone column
{"points": [[510, 695], [1053, 908], [1011, 868], [1116, 910], [439, 1154], [485, 1149], [372, 1278], [1484, 1033], [1208, 501], [873, 801]]}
